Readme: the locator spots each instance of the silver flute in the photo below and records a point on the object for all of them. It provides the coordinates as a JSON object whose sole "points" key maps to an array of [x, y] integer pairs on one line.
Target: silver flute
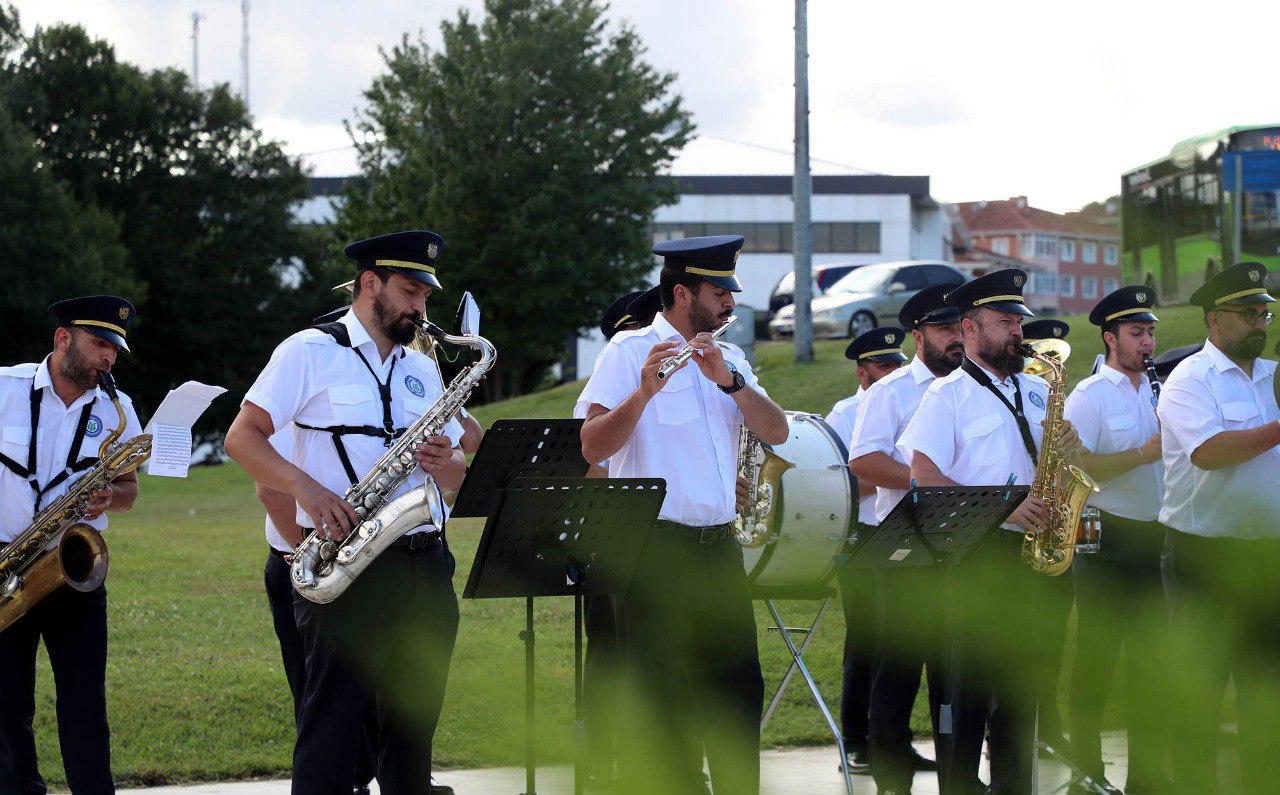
{"points": [[669, 366]]}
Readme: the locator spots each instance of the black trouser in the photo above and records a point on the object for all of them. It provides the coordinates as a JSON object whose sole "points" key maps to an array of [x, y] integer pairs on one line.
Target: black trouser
{"points": [[602, 671], [858, 598], [384, 644], [693, 670], [73, 626], [275, 577], [1120, 602], [909, 638], [998, 637], [1226, 624], [1059, 596]]}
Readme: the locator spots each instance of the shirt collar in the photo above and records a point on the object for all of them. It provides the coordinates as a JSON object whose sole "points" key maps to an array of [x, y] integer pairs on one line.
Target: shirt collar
{"points": [[1112, 374], [920, 371], [995, 379], [45, 381], [1222, 363], [356, 331], [664, 327]]}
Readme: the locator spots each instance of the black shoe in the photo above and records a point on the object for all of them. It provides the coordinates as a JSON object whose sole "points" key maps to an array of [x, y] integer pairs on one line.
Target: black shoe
{"points": [[858, 762], [439, 789], [359, 790], [921, 763], [1101, 785]]}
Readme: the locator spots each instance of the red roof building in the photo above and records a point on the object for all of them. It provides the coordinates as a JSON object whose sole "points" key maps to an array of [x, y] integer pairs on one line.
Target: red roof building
{"points": [[1072, 260]]}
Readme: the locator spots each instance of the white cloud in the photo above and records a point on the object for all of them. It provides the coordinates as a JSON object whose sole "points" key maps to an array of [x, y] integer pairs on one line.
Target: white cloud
{"points": [[991, 99]]}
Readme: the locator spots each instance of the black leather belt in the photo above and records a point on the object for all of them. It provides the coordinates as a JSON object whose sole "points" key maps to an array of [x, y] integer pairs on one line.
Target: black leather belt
{"points": [[703, 535], [418, 540]]}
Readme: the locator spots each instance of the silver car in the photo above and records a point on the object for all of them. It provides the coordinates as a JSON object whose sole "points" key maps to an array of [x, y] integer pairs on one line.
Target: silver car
{"points": [[867, 297]]}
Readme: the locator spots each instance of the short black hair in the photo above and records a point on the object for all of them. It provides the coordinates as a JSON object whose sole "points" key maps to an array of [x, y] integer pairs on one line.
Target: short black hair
{"points": [[382, 273], [667, 281]]}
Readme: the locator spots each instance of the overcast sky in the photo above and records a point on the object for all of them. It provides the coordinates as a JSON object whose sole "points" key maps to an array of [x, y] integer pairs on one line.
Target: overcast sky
{"points": [[990, 99]]}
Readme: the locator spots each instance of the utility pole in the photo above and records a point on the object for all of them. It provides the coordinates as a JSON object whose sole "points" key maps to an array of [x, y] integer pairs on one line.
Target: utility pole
{"points": [[244, 51], [195, 49], [801, 188]]}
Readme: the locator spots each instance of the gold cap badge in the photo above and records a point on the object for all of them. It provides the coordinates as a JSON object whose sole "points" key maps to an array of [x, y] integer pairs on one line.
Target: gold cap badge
{"points": [[888, 338], [1254, 275], [124, 313], [1140, 297], [1017, 281], [432, 250]]}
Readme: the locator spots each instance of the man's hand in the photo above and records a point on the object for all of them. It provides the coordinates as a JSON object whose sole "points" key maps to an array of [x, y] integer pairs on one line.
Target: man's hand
{"points": [[710, 359], [332, 516], [1068, 438], [1031, 514], [1151, 449], [99, 502], [740, 494], [434, 454], [650, 384]]}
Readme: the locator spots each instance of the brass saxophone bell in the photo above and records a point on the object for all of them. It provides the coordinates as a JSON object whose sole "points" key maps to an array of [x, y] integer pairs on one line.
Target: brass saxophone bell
{"points": [[1057, 349]]}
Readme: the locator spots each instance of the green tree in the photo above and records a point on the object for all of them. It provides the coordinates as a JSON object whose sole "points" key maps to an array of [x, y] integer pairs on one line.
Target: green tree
{"points": [[203, 203], [533, 141]]}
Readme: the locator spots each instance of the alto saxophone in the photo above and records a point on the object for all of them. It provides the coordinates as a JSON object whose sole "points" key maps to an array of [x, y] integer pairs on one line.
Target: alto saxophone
{"points": [[57, 547], [322, 569], [762, 469], [1063, 487]]}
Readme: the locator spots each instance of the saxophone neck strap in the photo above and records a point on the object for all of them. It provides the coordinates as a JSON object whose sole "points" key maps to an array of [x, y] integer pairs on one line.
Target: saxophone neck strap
{"points": [[1024, 427], [72, 466], [342, 336]]}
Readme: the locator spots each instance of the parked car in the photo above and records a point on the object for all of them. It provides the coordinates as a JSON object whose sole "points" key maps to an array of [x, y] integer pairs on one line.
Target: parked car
{"points": [[867, 297], [823, 277]]}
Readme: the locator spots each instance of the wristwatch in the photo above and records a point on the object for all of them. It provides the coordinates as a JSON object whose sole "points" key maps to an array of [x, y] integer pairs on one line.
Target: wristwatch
{"points": [[738, 381]]}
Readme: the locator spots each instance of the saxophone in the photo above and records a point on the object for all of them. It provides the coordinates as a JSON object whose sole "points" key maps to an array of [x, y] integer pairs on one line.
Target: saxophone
{"points": [[1063, 487], [322, 569], [762, 469], [57, 547]]}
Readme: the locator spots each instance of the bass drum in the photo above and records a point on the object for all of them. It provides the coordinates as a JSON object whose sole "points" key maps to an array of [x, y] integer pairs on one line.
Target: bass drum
{"points": [[815, 514]]}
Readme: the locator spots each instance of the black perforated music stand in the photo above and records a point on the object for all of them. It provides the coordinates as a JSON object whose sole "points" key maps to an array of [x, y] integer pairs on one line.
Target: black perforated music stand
{"points": [[550, 448]]}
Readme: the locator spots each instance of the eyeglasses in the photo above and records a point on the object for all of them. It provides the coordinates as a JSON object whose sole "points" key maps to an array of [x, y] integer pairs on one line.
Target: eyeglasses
{"points": [[1251, 316]]}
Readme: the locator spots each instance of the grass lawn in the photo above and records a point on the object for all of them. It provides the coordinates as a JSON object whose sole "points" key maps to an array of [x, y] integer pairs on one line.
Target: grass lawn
{"points": [[194, 681]]}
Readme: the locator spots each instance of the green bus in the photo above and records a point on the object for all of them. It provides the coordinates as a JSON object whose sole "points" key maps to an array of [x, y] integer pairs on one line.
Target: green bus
{"points": [[1210, 202]]}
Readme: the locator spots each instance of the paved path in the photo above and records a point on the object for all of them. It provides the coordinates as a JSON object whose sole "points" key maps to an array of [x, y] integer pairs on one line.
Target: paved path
{"points": [[799, 771]]}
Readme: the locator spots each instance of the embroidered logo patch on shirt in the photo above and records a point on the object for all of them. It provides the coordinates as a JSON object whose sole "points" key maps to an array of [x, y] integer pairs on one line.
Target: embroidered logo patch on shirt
{"points": [[1036, 400], [93, 427], [414, 385]]}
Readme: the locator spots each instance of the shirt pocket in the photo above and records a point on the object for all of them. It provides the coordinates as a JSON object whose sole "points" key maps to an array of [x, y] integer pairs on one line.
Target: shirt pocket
{"points": [[1239, 415], [983, 447], [677, 403], [14, 441], [354, 404], [1122, 428]]}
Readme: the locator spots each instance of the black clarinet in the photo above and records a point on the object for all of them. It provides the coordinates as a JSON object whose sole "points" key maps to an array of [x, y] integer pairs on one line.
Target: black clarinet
{"points": [[1152, 376]]}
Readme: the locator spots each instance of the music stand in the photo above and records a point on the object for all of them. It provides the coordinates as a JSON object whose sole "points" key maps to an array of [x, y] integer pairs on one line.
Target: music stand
{"points": [[550, 448], [937, 526]]}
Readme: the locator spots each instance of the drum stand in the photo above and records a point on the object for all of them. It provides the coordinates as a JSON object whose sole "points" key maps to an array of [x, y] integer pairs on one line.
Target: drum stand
{"points": [[797, 664]]}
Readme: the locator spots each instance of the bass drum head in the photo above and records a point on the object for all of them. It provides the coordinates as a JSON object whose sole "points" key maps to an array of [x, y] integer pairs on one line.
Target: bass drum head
{"points": [[815, 513]]}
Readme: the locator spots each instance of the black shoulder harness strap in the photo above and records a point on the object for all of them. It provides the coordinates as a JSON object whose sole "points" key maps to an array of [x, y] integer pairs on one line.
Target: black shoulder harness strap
{"points": [[1024, 428], [388, 432], [28, 473]]}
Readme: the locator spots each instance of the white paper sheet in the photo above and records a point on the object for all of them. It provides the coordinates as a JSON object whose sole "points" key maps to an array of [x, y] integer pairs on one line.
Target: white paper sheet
{"points": [[170, 428]]}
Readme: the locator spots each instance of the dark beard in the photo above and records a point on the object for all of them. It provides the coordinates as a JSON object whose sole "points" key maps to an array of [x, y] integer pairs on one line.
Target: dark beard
{"points": [[399, 329], [998, 356], [1246, 348], [702, 320], [75, 368], [941, 361]]}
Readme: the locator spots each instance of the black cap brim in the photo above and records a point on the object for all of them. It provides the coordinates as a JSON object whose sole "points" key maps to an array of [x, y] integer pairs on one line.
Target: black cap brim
{"points": [[108, 335], [940, 317], [1137, 317], [417, 275], [729, 283], [1256, 298], [884, 358], [1012, 307]]}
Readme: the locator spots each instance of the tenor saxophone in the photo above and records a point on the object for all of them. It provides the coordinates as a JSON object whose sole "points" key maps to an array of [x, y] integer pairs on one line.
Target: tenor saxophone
{"points": [[57, 548], [1062, 486], [762, 469], [322, 569]]}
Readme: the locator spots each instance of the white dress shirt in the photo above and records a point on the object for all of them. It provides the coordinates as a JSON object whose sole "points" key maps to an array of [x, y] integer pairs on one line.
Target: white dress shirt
{"points": [[313, 380], [971, 436], [1205, 395], [56, 432], [688, 432], [883, 417], [1112, 416], [841, 419]]}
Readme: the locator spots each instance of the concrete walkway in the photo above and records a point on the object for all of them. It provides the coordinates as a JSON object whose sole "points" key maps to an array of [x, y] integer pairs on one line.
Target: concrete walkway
{"points": [[799, 771]]}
